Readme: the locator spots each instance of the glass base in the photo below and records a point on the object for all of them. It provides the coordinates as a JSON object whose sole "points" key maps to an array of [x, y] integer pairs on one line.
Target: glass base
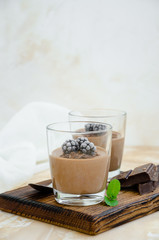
{"points": [[113, 174], [79, 199]]}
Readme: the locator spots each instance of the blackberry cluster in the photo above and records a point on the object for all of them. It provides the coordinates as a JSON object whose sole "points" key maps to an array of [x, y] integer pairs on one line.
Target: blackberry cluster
{"points": [[94, 127], [70, 146], [80, 144], [88, 148], [81, 140]]}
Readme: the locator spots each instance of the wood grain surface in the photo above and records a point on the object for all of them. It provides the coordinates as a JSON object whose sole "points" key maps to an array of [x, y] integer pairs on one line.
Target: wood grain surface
{"points": [[93, 220]]}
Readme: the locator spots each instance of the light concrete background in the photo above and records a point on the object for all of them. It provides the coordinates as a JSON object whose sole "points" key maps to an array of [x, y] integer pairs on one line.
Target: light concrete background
{"points": [[83, 53]]}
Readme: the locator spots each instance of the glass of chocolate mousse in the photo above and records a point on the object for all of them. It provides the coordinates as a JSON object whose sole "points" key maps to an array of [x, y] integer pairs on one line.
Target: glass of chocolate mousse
{"points": [[79, 168], [117, 119]]}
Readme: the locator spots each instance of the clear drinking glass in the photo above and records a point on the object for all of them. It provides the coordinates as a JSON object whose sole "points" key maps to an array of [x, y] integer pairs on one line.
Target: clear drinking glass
{"points": [[117, 119], [78, 178]]}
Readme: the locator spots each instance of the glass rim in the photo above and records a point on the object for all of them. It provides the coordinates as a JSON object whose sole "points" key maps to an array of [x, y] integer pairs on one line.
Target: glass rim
{"points": [[49, 128], [117, 113]]}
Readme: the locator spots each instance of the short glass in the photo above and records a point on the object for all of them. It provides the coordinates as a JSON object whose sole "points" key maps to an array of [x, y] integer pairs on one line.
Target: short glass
{"points": [[117, 119], [79, 169]]}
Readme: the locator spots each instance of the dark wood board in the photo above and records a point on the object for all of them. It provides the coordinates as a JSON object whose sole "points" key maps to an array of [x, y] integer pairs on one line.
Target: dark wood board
{"points": [[93, 220]]}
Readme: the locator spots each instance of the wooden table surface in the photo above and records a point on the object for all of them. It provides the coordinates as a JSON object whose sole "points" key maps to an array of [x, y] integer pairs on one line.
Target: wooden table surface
{"points": [[14, 227]]}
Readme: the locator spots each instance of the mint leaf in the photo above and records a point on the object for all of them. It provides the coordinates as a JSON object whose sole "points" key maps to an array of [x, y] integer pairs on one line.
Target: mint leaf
{"points": [[113, 189], [111, 203]]}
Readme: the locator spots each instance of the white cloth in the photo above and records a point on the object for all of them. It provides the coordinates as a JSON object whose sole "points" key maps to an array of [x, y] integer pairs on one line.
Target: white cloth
{"points": [[23, 142]]}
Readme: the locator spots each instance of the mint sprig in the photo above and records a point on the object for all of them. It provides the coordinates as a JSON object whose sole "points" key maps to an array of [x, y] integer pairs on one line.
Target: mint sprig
{"points": [[112, 192]]}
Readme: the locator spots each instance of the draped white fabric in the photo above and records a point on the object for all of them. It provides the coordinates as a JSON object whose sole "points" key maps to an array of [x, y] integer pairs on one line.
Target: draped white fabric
{"points": [[23, 142]]}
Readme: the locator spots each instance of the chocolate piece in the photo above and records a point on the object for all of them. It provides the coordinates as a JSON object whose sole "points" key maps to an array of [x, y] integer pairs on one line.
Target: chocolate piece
{"points": [[146, 187], [151, 185], [156, 183], [139, 175], [123, 175], [157, 168]]}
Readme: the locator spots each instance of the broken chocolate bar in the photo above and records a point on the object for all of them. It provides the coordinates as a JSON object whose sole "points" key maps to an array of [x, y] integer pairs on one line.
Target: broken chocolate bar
{"points": [[142, 174], [145, 177]]}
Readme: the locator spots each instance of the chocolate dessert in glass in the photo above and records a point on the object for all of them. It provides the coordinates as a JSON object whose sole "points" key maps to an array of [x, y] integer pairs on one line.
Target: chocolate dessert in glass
{"points": [[117, 119], [79, 168]]}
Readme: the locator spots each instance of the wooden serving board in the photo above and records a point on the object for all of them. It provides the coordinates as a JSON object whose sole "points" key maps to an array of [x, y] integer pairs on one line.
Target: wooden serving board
{"points": [[95, 219]]}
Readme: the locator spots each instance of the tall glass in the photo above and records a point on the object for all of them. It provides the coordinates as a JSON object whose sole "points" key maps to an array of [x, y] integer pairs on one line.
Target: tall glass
{"points": [[117, 119], [79, 168]]}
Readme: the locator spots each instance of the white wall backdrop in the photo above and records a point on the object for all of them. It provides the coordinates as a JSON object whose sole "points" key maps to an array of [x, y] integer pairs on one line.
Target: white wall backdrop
{"points": [[83, 53]]}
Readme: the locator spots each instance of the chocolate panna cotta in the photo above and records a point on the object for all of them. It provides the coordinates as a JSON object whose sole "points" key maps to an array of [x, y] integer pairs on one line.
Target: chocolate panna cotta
{"points": [[79, 167]]}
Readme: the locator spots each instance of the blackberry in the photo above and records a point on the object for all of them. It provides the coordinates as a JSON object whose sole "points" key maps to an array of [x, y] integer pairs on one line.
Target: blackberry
{"points": [[98, 127], [70, 146], [89, 127], [81, 140], [88, 148], [94, 127]]}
